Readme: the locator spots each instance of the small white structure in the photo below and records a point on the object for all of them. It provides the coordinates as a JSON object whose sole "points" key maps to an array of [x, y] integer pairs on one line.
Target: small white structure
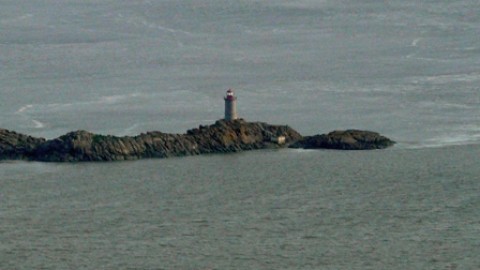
{"points": [[278, 139], [230, 105]]}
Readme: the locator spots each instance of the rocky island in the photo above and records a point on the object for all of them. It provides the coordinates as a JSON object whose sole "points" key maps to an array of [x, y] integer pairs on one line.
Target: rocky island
{"points": [[224, 136], [350, 139], [228, 135]]}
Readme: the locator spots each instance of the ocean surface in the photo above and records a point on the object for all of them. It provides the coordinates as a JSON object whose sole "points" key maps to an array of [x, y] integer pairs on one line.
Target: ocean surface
{"points": [[407, 69]]}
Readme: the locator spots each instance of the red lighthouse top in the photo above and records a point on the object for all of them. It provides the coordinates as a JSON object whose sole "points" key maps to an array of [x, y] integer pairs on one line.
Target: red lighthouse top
{"points": [[230, 95]]}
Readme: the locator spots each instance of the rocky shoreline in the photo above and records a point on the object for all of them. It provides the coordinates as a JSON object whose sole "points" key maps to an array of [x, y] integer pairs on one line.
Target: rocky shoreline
{"points": [[221, 137]]}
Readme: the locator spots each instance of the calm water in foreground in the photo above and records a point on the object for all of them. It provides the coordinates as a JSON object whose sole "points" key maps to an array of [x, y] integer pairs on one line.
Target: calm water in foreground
{"points": [[287, 209]]}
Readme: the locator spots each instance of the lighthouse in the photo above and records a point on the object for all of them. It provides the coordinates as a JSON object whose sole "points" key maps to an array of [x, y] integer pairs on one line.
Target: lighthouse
{"points": [[230, 106]]}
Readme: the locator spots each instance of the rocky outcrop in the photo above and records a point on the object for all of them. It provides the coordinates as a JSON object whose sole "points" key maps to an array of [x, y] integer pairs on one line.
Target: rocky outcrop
{"points": [[238, 135], [17, 146], [345, 140], [221, 137]]}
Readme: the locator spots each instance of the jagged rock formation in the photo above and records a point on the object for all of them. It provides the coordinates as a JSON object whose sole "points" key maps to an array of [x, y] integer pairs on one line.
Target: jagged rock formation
{"points": [[345, 140], [238, 135], [17, 146], [221, 137]]}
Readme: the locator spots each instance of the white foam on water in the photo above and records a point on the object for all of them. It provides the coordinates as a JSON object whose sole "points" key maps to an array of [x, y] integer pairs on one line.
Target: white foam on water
{"points": [[449, 78], [117, 99], [456, 105], [302, 150], [24, 109], [443, 141], [461, 139], [415, 42], [473, 48], [445, 105], [38, 124], [111, 99], [18, 20], [55, 107], [429, 59], [304, 4], [139, 21]]}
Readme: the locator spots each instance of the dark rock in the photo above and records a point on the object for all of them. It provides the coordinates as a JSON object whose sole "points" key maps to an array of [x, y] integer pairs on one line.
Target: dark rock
{"points": [[345, 140], [17, 146], [221, 137]]}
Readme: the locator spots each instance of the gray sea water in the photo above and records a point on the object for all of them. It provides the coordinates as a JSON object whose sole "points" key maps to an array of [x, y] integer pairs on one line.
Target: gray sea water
{"points": [[407, 69]]}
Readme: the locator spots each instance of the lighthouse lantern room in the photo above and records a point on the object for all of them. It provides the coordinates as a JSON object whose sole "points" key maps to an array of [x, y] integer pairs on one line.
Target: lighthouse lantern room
{"points": [[230, 105]]}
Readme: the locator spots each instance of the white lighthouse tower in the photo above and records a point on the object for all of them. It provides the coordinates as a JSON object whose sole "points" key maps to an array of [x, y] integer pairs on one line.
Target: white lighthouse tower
{"points": [[230, 106]]}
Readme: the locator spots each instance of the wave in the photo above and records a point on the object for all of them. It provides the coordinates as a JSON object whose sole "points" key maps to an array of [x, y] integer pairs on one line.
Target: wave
{"points": [[103, 100], [447, 78], [445, 105], [38, 124], [429, 59], [471, 49], [470, 77], [22, 19], [24, 109], [415, 42], [114, 98], [304, 4], [443, 141], [451, 141], [33, 108], [139, 21]]}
